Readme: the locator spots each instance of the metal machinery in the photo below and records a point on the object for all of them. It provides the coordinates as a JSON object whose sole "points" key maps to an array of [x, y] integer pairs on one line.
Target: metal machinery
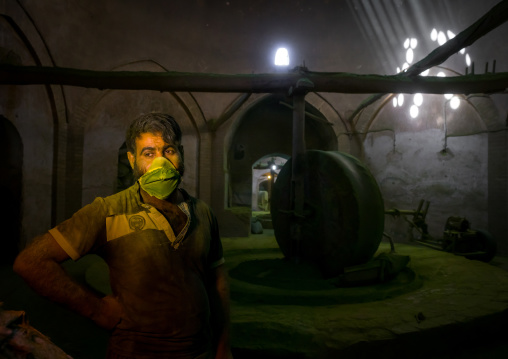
{"points": [[458, 238]]}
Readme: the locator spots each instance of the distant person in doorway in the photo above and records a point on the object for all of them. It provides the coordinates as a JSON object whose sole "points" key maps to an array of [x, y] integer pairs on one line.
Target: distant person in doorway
{"points": [[170, 296]]}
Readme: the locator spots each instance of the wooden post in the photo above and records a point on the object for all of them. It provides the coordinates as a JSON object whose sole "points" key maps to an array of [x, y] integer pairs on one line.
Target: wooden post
{"points": [[301, 88]]}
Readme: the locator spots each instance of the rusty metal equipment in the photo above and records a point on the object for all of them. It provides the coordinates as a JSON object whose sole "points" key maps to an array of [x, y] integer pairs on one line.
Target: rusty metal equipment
{"points": [[458, 237]]}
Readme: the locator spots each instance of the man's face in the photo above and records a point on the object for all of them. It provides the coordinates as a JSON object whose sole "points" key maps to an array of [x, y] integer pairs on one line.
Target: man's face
{"points": [[150, 146]]}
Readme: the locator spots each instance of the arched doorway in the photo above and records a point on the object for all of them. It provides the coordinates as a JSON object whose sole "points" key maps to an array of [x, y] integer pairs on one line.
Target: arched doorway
{"points": [[264, 175], [266, 129], [10, 187]]}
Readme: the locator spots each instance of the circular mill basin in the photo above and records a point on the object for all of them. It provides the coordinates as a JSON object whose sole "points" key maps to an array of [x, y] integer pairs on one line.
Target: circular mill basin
{"points": [[449, 305]]}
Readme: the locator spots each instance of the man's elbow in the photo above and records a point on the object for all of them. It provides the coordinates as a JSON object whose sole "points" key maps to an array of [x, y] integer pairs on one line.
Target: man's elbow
{"points": [[43, 251], [221, 279], [26, 262], [22, 264]]}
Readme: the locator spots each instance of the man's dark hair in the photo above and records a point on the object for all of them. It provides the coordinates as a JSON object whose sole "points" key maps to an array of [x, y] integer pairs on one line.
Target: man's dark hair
{"points": [[153, 123]]}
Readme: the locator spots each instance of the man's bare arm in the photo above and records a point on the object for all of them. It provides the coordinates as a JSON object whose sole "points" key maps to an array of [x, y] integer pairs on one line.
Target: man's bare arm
{"points": [[39, 265], [219, 303]]}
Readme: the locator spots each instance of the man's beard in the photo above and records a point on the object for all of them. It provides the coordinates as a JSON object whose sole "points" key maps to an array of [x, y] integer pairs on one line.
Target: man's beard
{"points": [[138, 172]]}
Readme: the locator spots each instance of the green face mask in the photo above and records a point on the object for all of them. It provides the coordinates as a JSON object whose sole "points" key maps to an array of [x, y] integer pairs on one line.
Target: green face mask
{"points": [[161, 179]]}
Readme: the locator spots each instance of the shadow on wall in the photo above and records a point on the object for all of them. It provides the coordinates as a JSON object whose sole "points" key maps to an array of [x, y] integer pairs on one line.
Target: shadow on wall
{"points": [[10, 187], [125, 177]]}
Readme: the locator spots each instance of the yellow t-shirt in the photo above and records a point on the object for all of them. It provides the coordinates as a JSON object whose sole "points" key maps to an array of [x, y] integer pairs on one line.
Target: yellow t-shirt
{"points": [[159, 278]]}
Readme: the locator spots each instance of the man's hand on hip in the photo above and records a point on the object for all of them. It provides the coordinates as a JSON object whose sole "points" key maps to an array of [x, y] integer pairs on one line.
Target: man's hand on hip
{"points": [[109, 312]]}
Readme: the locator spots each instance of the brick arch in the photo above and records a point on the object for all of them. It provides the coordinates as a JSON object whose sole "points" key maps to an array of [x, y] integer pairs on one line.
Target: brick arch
{"points": [[482, 105], [30, 49], [316, 100], [315, 128], [111, 106]]}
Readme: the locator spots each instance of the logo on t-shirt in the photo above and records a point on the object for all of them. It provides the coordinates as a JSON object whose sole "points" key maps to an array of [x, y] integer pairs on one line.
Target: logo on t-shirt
{"points": [[137, 222]]}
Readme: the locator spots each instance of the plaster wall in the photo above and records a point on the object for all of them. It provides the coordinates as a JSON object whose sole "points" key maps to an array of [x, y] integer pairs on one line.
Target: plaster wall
{"points": [[29, 111], [454, 182], [119, 31], [423, 158]]}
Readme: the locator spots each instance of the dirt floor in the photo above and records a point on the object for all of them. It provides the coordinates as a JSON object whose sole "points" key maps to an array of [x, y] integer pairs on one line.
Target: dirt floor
{"points": [[441, 306]]}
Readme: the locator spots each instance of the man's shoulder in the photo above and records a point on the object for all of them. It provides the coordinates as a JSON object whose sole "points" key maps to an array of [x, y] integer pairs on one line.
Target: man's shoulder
{"points": [[188, 198], [123, 200], [196, 203]]}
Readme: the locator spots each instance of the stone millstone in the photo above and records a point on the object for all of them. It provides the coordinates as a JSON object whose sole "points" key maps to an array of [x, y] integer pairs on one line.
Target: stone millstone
{"points": [[344, 212]]}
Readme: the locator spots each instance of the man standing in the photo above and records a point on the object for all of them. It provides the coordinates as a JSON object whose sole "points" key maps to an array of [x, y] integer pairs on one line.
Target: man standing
{"points": [[170, 294]]}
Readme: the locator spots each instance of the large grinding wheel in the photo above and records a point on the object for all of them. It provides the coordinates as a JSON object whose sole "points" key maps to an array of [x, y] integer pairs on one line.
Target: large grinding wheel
{"points": [[344, 212]]}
